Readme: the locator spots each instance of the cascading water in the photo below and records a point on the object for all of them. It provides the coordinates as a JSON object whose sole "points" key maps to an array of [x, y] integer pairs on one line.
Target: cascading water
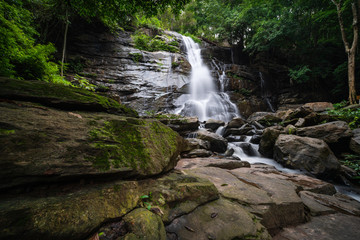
{"points": [[204, 100], [265, 92]]}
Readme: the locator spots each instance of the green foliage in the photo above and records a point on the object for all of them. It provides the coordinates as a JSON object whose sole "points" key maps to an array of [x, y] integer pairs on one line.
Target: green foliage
{"points": [[144, 42], [352, 161], [146, 201], [350, 115], [196, 39], [299, 74], [136, 57], [21, 57], [82, 82]]}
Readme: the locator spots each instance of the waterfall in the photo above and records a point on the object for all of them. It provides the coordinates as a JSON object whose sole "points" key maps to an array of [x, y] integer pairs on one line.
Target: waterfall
{"points": [[204, 101], [265, 92]]}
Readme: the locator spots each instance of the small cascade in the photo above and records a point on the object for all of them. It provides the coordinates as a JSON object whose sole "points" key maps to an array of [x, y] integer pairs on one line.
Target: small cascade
{"points": [[265, 92], [204, 100]]}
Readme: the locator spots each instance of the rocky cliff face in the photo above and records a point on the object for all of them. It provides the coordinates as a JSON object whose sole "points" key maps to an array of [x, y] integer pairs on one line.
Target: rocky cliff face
{"points": [[153, 81]]}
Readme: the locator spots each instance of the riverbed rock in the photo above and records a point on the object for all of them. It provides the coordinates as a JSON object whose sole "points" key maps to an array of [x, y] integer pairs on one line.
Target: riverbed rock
{"points": [[197, 153], [355, 141], [217, 143], [328, 227], [221, 219], [235, 138], [243, 130], [144, 225], [268, 139], [255, 139], [310, 154], [189, 163], [214, 124], [321, 204], [264, 118], [42, 144], [77, 212], [236, 122], [247, 148], [274, 201], [337, 134], [182, 125], [319, 106], [195, 143]]}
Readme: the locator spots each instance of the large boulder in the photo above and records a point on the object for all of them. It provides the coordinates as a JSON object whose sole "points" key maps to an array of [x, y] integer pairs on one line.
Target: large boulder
{"points": [[221, 219], [268, 139], [310, 154], [217, 143], [236, 122], [182, 125], [195, 143], [355, 141], [61, 97], [264, 118], [328, 227], [145, 225], [76, 212], [214, 124], [337, 134], [41, 144], [319, 106]]}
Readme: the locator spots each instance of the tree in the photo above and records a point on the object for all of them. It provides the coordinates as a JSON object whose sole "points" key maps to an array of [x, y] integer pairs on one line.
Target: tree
{"points": [[350, 50]]}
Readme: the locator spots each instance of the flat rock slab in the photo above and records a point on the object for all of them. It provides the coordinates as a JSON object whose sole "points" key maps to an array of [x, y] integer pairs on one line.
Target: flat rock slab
{"points": [[329, 227], [188, 163], [221, 219], [77, 213], [275, 201]]}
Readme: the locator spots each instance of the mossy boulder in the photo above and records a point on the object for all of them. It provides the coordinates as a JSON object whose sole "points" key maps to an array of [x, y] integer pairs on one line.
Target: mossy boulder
{"points": [[40, 144], [145, 225], [59, 96], [78, 211]]}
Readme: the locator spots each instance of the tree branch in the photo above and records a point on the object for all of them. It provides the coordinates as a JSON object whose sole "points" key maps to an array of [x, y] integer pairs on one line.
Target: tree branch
{"points": [[341, 23]]}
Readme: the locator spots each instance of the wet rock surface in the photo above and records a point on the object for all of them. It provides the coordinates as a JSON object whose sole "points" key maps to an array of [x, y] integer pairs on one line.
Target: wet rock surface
{"points": [[310, 154]]}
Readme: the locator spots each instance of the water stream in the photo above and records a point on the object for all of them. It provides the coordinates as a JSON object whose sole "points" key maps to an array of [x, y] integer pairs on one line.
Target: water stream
{"points": [[204, 100]]}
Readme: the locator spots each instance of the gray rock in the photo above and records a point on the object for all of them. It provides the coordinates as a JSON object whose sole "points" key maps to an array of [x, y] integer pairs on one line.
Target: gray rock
{"points": [[214, 124], [229, 152], [319, 106], [328, 227], [234, 138], [268, 139], [255, 139], [310, 154], [355, 141], [217, 143], [236, 122], [182, 125], [247, 148], [197, 153], [264, 118], [211, 221], [336, 134], [195, 143]]}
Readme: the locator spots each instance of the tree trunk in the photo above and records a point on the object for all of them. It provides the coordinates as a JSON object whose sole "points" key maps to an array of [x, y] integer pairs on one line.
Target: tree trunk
{"points": [[350, 51], [64, 46], [351, 77]]}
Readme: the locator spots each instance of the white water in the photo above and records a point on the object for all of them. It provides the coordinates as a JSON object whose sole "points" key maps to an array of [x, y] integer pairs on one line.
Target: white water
{"points": [[204, 100]]}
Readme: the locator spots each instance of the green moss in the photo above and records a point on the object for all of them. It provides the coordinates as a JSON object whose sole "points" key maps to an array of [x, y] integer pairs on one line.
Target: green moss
{"points": [[131, 142], [59, 95], [6, 131]]}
